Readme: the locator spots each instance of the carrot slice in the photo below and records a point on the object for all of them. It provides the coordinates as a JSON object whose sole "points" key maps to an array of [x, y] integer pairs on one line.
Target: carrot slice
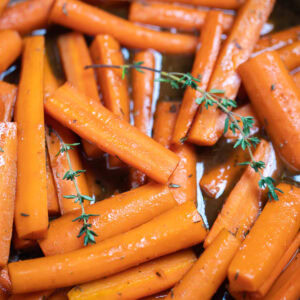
{"points": [[290, 55], [11, 47], [296, 78], [176, 229], [209, 123], [267, 241], [31, 213], [8, 93], [206, 56], [146, 279], [276, 100]]}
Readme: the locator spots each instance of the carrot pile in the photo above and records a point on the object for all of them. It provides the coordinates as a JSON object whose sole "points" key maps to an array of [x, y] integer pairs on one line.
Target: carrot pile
{"points": [[113, 187]]}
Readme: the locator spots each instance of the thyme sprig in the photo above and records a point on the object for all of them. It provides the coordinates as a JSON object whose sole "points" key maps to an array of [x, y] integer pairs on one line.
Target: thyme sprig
{"points": [[233, 122]]}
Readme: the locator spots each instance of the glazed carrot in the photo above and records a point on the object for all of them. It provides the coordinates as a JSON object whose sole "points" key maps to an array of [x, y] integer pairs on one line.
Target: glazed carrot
{"points": [[269, 85], [111, 134], [5, 282], [31, 213], [8, 93], [287, 285], [8, 169], [290, 55], [221, 177], [178, 228], [26, 16], [267, 241], [209, 123], [141, 281], [32, 296], [92, 20], [10, 48], [173, 16], [3, 4], [296, 78], [117, 214], [55, 134], [206, 56], [242, 206], [209, 270]]}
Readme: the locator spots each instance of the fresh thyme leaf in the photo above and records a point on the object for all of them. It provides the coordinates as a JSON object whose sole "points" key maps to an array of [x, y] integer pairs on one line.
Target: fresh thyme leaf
{"points": [[24, 215], [174, 185], [226, 125], [1, 150], [273, 87], [216, 91]]}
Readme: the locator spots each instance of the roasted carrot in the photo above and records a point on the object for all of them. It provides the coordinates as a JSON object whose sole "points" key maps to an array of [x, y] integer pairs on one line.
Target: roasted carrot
{"points": [[290, 55], [206, 55], [146, 279], [8, 93], [8, 167], [10, 48], [31, 213], [176, 229], [32, 296], [173, 16], [26, 16], [209, 123], [243, 203], [267, 241], [3, 4], [276, 100], [92, 20], [111, 134], [115, 216], [296, 78], [5, 283], [210, 270]]}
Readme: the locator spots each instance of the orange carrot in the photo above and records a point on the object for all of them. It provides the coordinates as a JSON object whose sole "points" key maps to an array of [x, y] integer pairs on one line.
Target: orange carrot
{"points": [[111, 134], [31, 213], [26, 16], [209, 270], [32, 296], [92, 20], [173, 16], [141, 281], [243, 203], [267, 241], [5, 283], [296, 78], [116, 215], [210, 41], [10, 49], [269, 85], [290, 55], [209, 123], [8, 93], [8, 169], [3, 4], [176, 229]]}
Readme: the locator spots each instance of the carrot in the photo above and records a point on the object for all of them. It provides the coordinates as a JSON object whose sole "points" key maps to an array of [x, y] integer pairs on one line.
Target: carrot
{"points": [[243, 203], [111, 134], [10, 49], [5, 283], [26, 16], [269, 85], [176, 229], [267, 241], [287, 285], [32, 296], [173, 16], [8, 93], [141, 281], [290, 55], [221, 177], [3, 4], [206, 56], [296, 78], [55, 135], [92, 20], [209, 270], [116, 215], [209, 123], [60, 294], [20, 244]]}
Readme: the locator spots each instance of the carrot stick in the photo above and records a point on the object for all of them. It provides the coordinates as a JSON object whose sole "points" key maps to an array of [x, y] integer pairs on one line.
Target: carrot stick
{"points": [[173, 16], [8, 169], [111, 134], [26, 16], [206, 56], [290, 55], [92, 20], [11, 47], [31, 213], [146, 279], [269, 85], [116, 215], [8, 93], [32, 296], [176, 229], [242, 206], [183, 180], [296, 78], [3, 4], [267, 241], [209, 123], [5, 283], [209, 270]]}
